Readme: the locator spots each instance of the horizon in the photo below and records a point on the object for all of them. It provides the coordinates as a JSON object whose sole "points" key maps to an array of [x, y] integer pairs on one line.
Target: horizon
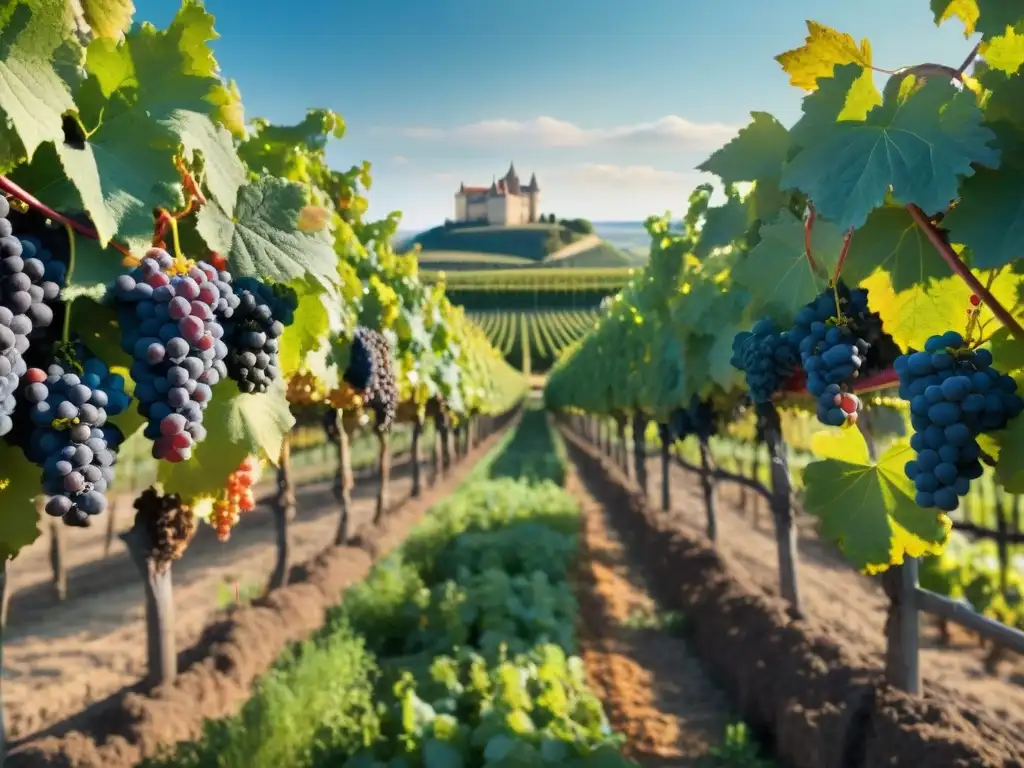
{"points": [[613, 109]]}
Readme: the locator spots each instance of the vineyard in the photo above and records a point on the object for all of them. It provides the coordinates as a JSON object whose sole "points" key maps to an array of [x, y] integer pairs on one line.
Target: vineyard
{"points": [[533, 341], [273, 497]]}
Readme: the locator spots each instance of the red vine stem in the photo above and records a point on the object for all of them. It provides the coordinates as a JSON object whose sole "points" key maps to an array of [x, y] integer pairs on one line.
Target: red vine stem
{"points": [[842, 256], [12, 189], [953, 260], [808, 229]]}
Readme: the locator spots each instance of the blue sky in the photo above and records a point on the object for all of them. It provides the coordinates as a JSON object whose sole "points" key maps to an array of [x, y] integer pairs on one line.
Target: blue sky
{"points": [[611, 103]]}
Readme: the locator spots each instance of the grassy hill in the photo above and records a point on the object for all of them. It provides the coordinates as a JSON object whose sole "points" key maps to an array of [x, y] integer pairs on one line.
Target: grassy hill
{"points": [[524, 245]]}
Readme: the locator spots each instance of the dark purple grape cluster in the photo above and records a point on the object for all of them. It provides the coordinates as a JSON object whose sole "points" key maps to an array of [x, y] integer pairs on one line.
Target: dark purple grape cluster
{"points": [[70, 437], [171, 325], [956, 394], [371, 352], [30, 283], [253, 333]]}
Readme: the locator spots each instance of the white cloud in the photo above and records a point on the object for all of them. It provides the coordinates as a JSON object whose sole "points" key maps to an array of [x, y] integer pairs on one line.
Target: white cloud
{"points": [[400, 160], [627, 175], [668, 131]]}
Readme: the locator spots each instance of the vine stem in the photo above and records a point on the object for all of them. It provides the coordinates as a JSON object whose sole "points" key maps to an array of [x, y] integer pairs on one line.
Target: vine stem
{"points": [[808, 229], [70, 272], [953, 260], [8, 186]]}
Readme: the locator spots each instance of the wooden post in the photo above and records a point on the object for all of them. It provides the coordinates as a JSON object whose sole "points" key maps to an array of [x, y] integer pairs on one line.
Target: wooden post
{"points": [[3, 632], [284, 513], [161, 652], [902, 631], [108, 540], [343, 483], [665, 435], [384, 481], [417, 431], [640, 450], [621, 451], [782, 513], [707, 484], [58, 568]]}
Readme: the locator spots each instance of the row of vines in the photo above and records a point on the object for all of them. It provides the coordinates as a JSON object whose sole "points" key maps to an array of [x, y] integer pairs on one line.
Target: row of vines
{"points": [[175, 274], [546, 333], [865, 261]]}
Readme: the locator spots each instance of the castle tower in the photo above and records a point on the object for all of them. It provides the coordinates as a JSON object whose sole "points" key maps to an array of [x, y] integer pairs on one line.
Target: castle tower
{"points": [[533, 190]]}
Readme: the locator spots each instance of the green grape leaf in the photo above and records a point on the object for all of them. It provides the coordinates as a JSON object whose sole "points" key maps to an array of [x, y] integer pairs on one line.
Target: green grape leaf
{"points": [[849, 94], [822, 51], [32, 94], [307, 332], [441, 754], [918, 142], [1007, 351], [1010, 442], [1005, 103], [720, 368], [97, 326], [124, 166], [989, 219], [264, 236], [757, 152], [1006, 52], [722, 225], [223, 173], [237, 425], [989, 17], [20, 482], [891, 241], [868, 507], [108, 18], [777, 274]]}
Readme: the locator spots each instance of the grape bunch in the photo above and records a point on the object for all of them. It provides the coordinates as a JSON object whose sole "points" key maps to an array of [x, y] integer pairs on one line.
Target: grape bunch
{"points": [[371, 374], [955, 395], [167, 523], [170, 324], [253, 333], [832, 352], [238, 498], [699, 418], [30, 283], [70, 437], [768, 358]]}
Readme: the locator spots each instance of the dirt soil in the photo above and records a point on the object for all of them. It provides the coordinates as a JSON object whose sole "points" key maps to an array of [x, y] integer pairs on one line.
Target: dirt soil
{"points": [[814, 686], [92, 652], [59, 658], [844, 602], [655, 690]]}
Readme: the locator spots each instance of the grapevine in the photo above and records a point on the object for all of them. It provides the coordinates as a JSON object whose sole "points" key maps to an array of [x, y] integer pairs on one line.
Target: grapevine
{"points": [[859, 266]]}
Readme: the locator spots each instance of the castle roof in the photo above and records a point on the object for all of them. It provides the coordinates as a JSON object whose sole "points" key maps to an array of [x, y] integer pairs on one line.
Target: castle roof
{"points": [[508, 184]]}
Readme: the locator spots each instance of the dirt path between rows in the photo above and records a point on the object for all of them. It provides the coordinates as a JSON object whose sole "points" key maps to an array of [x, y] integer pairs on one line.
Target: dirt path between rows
{"points": [[655, 690], [60, 658], [852, 607]]}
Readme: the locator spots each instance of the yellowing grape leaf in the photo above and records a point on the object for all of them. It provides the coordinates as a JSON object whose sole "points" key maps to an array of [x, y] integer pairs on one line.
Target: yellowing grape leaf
{"points": [[918, 143], [933, 307], [757, 152], [238, 425], [263, 238], [20, 482], [108, 18], [868, 507], [849, 94], [777, 274], [823, 49], [312, 321], [989, 219], [32, 94], [1006, 52], [965, 10], [891, 241]]}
